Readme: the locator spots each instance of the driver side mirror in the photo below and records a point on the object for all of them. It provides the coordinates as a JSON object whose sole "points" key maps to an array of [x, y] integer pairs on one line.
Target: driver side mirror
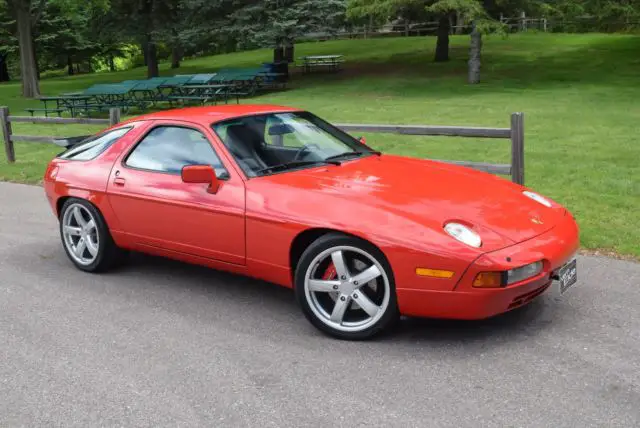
{"points": [[204, 174], [362, 140]]}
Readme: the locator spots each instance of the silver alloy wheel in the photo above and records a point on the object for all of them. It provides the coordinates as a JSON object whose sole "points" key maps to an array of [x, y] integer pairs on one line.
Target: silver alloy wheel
{"points": [[80, 234], [356, 298]]}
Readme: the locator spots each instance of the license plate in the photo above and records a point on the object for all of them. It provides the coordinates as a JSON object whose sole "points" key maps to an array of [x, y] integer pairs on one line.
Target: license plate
{"points": [[568, 275]]}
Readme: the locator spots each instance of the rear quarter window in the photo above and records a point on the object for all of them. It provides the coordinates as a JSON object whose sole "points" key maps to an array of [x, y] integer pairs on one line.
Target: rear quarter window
{"points": [[93, 146]]}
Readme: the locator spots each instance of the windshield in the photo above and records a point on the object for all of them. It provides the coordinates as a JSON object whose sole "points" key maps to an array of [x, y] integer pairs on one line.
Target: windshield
{"points": [[275, 142]]}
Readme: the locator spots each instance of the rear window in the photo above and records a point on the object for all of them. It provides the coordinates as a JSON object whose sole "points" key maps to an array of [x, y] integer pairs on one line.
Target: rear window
{"points": [[93, 146]]}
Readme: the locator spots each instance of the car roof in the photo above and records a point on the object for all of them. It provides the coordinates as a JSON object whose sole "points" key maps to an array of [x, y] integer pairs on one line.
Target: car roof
{"points": [[212, 114]]}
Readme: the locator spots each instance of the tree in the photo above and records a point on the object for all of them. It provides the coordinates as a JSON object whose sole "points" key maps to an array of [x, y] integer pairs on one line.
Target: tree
{"points": [[21, 12], [465, 11], [278, 23], [443, 10], [64, 35], [147, 22], [8, 42]]}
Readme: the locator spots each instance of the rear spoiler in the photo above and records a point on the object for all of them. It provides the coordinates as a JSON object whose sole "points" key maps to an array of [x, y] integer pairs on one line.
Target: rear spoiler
{"points": [[69, 142]]}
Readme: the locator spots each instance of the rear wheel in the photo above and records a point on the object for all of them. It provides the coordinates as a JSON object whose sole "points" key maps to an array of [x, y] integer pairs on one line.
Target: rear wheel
{"points": [[86, 237], [346, 287]]}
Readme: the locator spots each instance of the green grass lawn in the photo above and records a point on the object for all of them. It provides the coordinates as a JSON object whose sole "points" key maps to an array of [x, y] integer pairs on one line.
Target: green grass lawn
{"points": [[580, 95]]}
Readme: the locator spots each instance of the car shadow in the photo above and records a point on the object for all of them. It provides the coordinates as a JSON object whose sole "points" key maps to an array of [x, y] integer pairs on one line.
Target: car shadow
{"points": [[518, 322], [261, 307], [211, 281], [274, 301]]}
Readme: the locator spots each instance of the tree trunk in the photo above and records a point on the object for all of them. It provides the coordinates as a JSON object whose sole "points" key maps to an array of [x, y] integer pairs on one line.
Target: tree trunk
{"points": [[176, 56], [28, 66], [152, 60], [70, 71], [459, 23], [35, 56], [278, 53], [112, 63], [143, 47], [4, 69], [289, 51], [475, 47], [442, 43]]}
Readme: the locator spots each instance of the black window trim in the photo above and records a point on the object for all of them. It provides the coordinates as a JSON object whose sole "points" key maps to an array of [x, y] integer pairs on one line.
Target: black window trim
{"points": [[129, 127], [124, 165]]}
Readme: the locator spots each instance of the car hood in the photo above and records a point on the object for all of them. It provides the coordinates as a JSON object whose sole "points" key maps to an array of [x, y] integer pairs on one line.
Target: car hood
{"points": [[432, 193]]}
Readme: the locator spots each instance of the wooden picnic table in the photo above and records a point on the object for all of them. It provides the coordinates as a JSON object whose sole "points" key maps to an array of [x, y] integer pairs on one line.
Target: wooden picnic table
{"points": [[71, 102], [109, 95], [332, 62], [97, 97]]}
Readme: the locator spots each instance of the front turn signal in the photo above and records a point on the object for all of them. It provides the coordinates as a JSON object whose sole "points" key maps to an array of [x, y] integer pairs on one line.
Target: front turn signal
{"points": [[488, 280], [434, 273]]}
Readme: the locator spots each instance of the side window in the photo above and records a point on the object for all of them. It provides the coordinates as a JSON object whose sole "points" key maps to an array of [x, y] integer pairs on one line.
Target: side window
{"points": [[93, 146], [169, 148]]}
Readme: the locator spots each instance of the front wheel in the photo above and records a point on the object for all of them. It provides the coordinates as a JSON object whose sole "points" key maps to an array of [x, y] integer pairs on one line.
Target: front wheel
{"points": [[346, 287], [86, 237]]}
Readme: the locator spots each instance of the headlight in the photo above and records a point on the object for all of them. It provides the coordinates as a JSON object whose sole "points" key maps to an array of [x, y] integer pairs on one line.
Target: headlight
{"points": [[524, 272], [463, 234], [537, 198]]}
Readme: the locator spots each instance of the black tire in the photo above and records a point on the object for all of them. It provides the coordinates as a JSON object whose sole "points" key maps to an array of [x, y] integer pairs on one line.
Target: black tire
{"points": [[109, 255], [334, 240]]}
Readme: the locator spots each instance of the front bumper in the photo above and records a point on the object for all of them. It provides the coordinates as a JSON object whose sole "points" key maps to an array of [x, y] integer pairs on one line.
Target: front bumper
{"points": [[554, 247]]}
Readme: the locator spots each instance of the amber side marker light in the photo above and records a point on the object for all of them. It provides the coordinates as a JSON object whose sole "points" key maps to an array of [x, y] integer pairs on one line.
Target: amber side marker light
{"points": [[488, 280], [434, 273]]}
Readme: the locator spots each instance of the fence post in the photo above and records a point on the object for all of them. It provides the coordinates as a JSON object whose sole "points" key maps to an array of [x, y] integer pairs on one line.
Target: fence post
{"points": [[6, 131], [517, 148], [114, 116]]}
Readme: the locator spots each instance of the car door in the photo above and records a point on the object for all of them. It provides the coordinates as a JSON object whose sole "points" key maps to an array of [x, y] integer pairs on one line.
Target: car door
{"points": [[155, 208]]}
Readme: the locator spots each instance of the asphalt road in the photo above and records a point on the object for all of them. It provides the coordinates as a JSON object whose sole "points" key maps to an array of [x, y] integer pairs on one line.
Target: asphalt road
{"points": [[159, 343]]}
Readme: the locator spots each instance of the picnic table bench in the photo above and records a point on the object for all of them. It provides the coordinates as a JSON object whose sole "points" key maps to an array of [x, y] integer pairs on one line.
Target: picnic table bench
{"points": [[319, 62], [148, 90], [64, 102], [97, 97], [46, 111], [204, 93]]}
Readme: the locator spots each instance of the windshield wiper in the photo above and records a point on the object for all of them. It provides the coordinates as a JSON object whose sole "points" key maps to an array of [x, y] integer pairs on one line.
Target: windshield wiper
{"points": [[295, 164], [355, 154]]}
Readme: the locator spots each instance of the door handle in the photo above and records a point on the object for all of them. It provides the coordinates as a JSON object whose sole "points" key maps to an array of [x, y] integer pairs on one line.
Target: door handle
{"points": [[119, 181]]}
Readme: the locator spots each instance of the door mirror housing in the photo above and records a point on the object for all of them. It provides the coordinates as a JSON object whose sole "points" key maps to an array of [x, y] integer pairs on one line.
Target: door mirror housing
{"points": [[204, 174], [362, 140]]}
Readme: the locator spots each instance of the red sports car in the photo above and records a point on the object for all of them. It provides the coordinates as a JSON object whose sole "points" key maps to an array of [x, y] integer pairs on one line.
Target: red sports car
{"points": [[279, 194]]}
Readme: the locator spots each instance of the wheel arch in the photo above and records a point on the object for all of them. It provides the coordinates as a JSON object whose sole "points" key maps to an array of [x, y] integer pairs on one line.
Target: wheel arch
{"points": [[60, 203], [96, 199], [305, 238]]}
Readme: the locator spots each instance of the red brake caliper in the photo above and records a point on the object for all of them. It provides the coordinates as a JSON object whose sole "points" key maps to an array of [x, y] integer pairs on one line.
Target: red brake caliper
{"points": [[330, 272]]}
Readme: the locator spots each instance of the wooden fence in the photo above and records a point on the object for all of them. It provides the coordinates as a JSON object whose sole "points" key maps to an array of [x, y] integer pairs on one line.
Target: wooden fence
{"points": [[515, 133], [9, 137]]}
